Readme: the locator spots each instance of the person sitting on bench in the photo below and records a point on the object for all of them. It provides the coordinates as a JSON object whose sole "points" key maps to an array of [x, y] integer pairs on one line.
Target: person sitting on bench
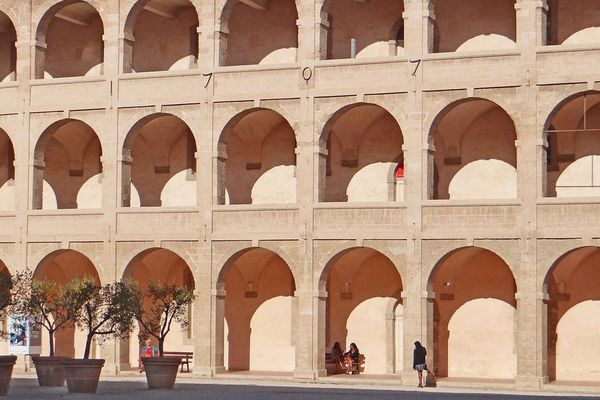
{"points": [[337, 355], [351, 358]]}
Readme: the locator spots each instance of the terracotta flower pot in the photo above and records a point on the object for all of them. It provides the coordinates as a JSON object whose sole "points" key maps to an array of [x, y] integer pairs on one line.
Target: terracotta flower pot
{"points": [[161, 371], [82, 375], [6, 367], [50, 371]]}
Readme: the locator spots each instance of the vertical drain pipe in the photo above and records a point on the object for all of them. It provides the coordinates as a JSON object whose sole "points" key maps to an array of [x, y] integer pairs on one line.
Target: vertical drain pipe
{"points": [[353, 48]]}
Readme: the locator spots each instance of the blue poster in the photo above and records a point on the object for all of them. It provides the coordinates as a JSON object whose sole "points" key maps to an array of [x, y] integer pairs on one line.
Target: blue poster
{"points": [[21, 338]]}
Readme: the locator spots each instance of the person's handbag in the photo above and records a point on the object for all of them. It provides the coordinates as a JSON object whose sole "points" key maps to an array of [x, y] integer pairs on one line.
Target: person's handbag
{"points": [[430, 380]]}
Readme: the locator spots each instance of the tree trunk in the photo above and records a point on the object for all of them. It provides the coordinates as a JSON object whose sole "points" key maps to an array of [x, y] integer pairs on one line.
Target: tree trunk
{"points": [[161, 347], [51, 340], [88, 345]]}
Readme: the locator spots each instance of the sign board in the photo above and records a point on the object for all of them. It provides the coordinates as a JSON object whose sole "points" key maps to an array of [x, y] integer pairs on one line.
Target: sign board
{"points": [[23, 338]]}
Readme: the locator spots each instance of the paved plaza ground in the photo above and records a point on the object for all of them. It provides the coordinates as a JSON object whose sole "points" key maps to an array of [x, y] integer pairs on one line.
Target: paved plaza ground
{"points": [[133, 388]]}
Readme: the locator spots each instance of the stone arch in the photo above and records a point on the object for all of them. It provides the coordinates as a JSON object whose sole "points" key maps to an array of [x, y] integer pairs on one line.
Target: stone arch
{"points": [[491, 22], [158, 264], [327, 260], [149, 19], [352, 278], [66, 155], [250, 145], [224, 261], [227, 6], [355, 136], [456, 138], [250, 279], [8, 49], [4, 268], [61, 266], [571, 147], [157, 148], [459, 277], [66, 25], [369, 24], [7, 172], [569, 283], [258, 32], [572, 23]]}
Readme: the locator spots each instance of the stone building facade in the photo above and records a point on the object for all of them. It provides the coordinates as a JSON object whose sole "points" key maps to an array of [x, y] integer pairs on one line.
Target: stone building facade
{"points": [[376, 171]]}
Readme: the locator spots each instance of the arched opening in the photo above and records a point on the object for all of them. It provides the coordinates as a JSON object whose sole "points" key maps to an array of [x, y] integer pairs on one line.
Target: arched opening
{"points": [[465, 25], [259, 32], [472, 285], [573, 22], [361, 283], [69, 41], [475, 155], [158, 265], [363, 29], [161, 35], [363, 142], [8, 49], [572, 150], [159, 163], [7, 172], [60, 267], [256, 314], [573, 352], [67, 170], [257, 160]]}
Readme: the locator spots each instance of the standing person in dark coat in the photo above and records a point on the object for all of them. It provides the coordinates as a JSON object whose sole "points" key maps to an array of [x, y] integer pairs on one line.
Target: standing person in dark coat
{"points": [[419, 363]]}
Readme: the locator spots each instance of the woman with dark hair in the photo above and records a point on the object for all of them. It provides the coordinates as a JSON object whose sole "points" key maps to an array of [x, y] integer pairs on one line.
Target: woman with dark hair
{"points": [[337, 355], [419, 363], [351, 358]]}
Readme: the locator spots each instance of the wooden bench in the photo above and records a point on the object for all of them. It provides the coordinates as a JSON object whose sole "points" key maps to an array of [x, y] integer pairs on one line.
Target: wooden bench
{"points": [[186, 357], [357, 368]]}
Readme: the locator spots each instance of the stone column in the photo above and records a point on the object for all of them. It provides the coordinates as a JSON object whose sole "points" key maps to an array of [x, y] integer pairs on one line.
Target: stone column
{"points": [[111, 44], [528, 139], [306, 39], [205, 296], [217, 337], [38, 58], [541, 18], [206, 45], [220, 38], [542, 336], [319, 309], [203, 306], [418, 319], [309, 352], [126, 42], [542, 163], [321, 30], [419, 25]]}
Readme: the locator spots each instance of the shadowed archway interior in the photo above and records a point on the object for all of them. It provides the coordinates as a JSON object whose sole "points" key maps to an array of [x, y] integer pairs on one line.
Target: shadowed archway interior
{"points": [[458, 279]]}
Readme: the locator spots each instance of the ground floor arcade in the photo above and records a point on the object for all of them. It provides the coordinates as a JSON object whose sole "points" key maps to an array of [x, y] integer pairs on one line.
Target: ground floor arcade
{"points": [[276, 307]]}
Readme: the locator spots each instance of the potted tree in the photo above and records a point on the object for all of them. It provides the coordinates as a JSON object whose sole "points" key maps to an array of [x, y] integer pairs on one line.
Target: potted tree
{"points": [[155, 310], [42, 303], [103, 312], [6, 300]]}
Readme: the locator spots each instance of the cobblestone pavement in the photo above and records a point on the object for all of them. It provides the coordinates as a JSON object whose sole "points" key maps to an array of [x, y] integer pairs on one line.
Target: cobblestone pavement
{"points": [[133, 389]]}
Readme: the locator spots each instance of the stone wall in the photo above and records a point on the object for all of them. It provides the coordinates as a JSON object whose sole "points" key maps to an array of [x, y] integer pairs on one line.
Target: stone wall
{"points": [[393, 108]]}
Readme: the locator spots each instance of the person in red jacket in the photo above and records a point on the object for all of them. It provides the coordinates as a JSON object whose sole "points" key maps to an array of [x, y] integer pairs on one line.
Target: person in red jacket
{"points": [[147, 350]]}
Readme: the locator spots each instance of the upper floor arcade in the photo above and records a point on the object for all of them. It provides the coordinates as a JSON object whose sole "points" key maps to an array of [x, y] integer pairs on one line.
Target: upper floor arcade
{"points": [[76, 38], [476, 150]]}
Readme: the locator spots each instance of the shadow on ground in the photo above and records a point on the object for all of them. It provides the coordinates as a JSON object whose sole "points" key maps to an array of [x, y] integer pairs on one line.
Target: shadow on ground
{"points": [[134, 389]]}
